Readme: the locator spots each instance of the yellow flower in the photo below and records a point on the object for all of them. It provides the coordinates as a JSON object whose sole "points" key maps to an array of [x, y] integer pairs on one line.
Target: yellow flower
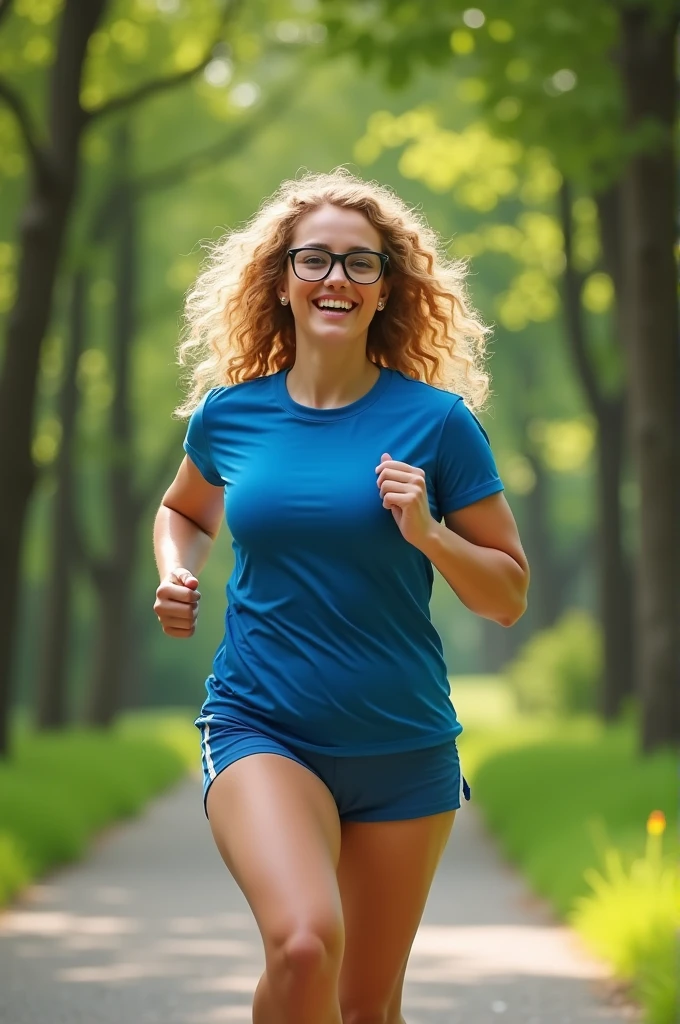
{"points": [[656, 823]]}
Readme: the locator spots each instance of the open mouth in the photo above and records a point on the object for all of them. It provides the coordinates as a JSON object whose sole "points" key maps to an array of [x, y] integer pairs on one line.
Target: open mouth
{"points": [[335, 307]]}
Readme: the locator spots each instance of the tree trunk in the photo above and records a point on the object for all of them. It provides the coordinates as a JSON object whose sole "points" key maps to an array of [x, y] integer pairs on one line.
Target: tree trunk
{"points": [[648, 71], [615, 582], [613, 577], [52, 685], [116, 581], [547, 591], [616, 600], [42, 230]]}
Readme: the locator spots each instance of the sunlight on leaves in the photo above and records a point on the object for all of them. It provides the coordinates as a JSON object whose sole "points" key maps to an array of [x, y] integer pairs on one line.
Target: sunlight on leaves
{"points": [[475, 160], [7, 276], [132, 39], [38, 50], [565, 445], [531, 297], [541, 177], [542, 245], [46, 442], [40, 12], [462, 41], [188, 53], [598, 293], [501, 31], [516, 472]]}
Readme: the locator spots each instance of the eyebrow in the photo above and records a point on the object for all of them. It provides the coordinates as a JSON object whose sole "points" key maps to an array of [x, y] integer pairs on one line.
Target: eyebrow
{"points": [[324, 245]]}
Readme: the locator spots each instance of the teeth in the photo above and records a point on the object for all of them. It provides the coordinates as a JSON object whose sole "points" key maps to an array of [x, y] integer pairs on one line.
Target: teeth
{"points": [[334, 304]]}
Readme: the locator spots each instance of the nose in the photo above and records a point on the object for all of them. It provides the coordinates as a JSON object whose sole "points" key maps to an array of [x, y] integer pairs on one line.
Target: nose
{"points": [[337, 274]]}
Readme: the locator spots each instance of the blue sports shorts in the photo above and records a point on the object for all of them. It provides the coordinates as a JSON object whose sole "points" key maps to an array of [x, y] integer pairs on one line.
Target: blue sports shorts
{"points": [[375, 787]]}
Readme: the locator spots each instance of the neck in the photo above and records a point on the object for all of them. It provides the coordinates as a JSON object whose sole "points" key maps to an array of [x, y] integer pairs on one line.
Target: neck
{"points": [[329, 379]]}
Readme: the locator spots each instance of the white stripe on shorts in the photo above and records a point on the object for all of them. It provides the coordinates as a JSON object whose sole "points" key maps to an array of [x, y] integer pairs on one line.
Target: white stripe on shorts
{"points": [[205, 729]]}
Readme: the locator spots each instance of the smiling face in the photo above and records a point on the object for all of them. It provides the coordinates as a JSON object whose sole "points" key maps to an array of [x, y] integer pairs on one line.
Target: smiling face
{"points": [[335, 308]]}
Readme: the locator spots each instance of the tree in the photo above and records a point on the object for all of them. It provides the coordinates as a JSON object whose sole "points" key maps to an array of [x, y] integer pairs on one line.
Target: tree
{"points": [[55, 166], [647, 62]]}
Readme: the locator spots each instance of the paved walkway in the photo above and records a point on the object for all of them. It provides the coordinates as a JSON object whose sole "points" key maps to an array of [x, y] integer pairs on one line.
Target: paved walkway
{"points": [[151, 928]]}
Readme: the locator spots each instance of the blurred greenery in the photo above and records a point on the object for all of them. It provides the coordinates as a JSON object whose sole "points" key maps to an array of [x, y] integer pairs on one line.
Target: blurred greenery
{"points": [[631, 918], [60, 789], [568, 799], [557, 670]]}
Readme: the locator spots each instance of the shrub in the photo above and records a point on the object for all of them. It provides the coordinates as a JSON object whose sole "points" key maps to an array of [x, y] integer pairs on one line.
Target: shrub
{"points": [[558, 670], [631, 918]]}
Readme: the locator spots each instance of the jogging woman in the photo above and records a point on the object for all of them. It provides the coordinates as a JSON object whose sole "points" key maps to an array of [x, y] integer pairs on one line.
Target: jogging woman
{"points": [[335, 366]]}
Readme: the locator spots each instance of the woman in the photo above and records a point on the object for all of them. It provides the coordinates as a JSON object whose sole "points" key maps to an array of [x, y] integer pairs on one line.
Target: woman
{"points": [[333, 351]]}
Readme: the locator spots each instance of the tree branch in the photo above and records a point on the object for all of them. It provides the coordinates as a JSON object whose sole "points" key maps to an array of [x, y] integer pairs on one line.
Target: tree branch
{"points": [[193, 163], [157, 85], [16, 104]]}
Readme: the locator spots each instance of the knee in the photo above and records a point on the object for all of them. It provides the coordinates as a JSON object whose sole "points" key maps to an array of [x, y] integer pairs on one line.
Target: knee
{"points": [[311, 951]]}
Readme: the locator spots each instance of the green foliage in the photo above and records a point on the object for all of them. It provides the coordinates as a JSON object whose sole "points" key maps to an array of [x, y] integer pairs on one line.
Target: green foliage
{"points": [[60, 788], [14, 873], [562, 797], [558, 670], [541, 73], [630, 918], [549, 788]]}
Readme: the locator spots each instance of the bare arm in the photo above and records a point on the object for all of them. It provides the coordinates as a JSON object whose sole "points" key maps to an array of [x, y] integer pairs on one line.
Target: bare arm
{"points": [[478, 552], [185, 527]]}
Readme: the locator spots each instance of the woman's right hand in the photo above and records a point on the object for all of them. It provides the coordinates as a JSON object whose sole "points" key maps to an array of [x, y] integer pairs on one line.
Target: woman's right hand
{"points": [[176, 603]]}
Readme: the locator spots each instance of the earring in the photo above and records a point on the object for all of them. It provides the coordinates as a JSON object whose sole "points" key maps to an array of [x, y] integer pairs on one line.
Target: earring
{"points": [[284, 300], [381, 304]]}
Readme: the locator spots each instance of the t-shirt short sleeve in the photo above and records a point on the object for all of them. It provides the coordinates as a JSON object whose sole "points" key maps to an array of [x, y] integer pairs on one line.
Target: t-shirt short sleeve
{"points": [[466, 468], [197, 446]]}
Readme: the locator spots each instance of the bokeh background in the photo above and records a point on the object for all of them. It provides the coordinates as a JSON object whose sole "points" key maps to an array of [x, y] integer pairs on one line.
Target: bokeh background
{"points": [[538, 138]]}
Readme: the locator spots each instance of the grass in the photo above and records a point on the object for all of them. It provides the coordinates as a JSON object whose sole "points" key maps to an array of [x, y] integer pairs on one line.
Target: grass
{"points": [[568, 802], [60, 788]]}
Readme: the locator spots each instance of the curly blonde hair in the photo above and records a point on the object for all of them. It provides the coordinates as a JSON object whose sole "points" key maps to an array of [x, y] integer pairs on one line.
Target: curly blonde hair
{"points": [[237, 330]]}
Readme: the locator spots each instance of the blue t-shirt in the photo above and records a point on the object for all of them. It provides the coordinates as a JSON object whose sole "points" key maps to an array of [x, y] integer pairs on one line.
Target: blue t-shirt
{"points": [[328, 639]]}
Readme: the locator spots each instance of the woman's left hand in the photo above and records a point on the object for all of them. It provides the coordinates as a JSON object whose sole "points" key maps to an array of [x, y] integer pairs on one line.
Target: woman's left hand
{"points": [[403, 490]]}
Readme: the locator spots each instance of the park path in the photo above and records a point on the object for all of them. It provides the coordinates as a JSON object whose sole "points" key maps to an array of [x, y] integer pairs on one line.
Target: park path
{"points": [[151, 928]]}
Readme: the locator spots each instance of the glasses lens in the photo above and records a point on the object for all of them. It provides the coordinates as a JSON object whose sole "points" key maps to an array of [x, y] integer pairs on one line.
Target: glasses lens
{"points": [[363, 267], [312, 264]]}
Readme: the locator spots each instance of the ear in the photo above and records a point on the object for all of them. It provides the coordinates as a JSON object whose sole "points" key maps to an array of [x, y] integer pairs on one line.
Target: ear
{"points": [[385, 287], [282, 289]]}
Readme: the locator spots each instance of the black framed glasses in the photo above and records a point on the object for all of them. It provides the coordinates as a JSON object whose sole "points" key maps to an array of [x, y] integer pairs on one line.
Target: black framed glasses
{"points": [[361, 267]]}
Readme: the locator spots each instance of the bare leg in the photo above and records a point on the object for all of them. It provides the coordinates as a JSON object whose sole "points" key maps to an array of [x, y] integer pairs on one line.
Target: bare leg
{"points": [[385, 873], [276, 826]]}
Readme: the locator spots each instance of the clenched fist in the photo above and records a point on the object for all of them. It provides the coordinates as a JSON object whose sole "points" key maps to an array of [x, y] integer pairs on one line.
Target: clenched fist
{"points": [[176, 603]]}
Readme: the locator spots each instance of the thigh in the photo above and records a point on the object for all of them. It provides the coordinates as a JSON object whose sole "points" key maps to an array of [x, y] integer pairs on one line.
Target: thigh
{"points": [[276, 826], [384, 873]]}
